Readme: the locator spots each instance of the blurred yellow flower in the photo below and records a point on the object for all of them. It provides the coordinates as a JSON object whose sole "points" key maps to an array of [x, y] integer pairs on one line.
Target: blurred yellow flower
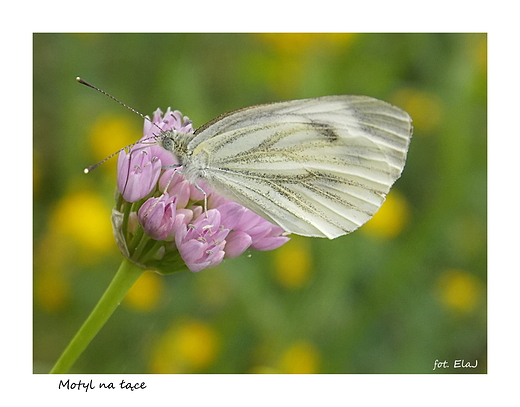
{"points": [[459, 290], [145, 294], [78, 231], [110, 134], [187, 347], [300, 357], [425, 108], [85, 218], [389, 221], [293, 263]]}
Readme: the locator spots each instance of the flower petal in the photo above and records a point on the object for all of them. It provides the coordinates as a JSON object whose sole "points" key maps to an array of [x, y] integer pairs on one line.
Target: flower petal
{"points": [[237, 243]]}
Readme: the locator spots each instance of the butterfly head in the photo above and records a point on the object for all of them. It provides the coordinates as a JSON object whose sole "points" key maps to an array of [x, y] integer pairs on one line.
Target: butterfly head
{"points": [[175, 142], [167, 140]]}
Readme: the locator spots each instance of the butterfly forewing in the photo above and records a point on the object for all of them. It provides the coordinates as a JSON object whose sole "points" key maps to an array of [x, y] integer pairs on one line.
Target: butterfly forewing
{"points": [[316, 167]]}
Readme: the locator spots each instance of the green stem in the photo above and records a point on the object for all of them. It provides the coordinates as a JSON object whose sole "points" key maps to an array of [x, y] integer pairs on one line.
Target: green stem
{"points": [[136, 239], [151, 252], [124, 279]]}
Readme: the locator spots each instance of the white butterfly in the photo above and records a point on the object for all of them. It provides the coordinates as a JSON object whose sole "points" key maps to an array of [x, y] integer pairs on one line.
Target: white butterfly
{"points": [[316, 167]]}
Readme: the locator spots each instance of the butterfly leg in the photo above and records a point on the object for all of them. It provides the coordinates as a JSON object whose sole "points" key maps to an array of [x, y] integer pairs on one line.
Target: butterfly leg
{"points": [[205, 198], [175, 170]]}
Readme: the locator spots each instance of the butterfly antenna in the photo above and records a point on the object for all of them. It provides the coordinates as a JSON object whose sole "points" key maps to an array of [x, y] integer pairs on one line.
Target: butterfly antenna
{"points": [[84, 82], [88, 169]]}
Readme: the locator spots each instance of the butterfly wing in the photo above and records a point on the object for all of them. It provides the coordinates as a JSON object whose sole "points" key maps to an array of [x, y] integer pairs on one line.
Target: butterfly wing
{"points": [[316, 167]]}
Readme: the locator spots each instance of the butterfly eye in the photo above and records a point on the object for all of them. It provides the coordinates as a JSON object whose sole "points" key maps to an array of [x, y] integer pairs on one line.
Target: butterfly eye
{"points": [[167, 143]]}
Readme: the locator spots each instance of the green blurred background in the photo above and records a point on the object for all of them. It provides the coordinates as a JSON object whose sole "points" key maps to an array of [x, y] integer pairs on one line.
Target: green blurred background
{"points": [[405, 290]]}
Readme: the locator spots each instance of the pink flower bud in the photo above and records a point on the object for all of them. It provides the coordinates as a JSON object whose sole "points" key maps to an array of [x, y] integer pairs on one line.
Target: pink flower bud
{"points": [[157, 216]]}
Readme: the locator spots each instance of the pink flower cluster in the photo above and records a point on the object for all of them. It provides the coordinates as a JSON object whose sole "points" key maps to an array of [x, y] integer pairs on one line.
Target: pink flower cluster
{"points": [[172, 210]]}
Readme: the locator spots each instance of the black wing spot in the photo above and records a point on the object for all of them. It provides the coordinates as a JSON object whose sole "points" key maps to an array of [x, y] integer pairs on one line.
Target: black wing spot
{"points": [[330, 134], [327, 131]]}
